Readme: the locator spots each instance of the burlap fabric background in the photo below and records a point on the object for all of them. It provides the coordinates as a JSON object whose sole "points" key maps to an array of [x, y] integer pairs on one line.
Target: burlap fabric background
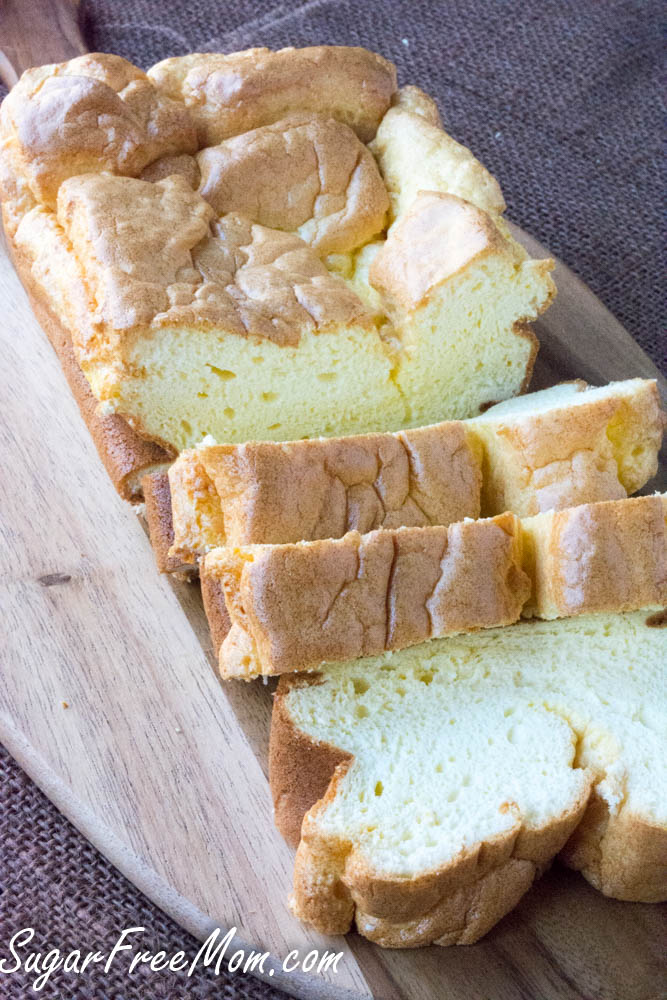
{"points": [[559, 98]]}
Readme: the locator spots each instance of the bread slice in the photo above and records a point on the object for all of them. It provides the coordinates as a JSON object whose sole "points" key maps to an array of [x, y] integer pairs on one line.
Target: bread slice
{"points": [[294, 606], [570, 444], [237, 309], [551, 449], [415, 154], [428, 788]]}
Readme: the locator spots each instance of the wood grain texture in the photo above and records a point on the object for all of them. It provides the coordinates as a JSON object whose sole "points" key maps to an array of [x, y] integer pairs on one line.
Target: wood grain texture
{"points": [[33, 32], [163, 767]]}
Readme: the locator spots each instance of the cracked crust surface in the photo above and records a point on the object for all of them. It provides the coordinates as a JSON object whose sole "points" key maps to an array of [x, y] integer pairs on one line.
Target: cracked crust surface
{"points": [[230, 94], [111, 157], [97, 113], [240, 494], [603, 824], [608, 556], [306, 174], [189, 268], [294, 606]]}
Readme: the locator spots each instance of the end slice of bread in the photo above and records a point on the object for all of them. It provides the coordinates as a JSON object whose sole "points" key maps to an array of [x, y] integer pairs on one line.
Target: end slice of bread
{"points": [[569, 444], [294, 606], [443, 779]]}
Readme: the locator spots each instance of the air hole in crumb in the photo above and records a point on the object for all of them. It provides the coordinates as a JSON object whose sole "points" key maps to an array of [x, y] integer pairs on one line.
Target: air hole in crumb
{"points": [[229, 412], [223, 373], [203, 395], [361, 711], [268, 397], [438, 769], [379, 788], [274, 427], [186, 427], [327, 376], [360, 685], [426, 677]]}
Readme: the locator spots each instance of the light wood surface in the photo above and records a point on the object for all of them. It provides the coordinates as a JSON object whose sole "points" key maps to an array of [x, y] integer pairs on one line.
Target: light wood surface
{"points": [[33, 32], [163, 767]]}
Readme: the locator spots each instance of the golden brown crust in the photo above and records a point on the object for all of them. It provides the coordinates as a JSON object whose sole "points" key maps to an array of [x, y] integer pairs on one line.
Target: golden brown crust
{"points": [[94, 113], [241, 494], [608, 556], [216, 610], [157, 498], [230, 94], [122, 451], [153, 256], [306, 174], [599, 449], [294, 606], [623, 855], [300, 769], [434, 240]]}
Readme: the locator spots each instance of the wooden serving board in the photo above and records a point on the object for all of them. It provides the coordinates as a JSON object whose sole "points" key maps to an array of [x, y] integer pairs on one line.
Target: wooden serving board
{"points": [[163, 767]]}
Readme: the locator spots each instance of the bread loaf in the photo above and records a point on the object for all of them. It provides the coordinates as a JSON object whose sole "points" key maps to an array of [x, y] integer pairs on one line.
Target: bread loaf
{"points": [[428, 788], [212, 236]]}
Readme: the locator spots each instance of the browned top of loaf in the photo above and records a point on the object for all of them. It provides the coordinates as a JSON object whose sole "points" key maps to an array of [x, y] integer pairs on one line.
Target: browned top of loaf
{"points": [[153, 254], [229, 94], [359, 595], [96, 112], [305, 173], [273, 493], [437, 237]]}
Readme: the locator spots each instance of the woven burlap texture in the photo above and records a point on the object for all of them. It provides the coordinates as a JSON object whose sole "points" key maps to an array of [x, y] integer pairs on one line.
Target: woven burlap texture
{"points": [[559, 99]]}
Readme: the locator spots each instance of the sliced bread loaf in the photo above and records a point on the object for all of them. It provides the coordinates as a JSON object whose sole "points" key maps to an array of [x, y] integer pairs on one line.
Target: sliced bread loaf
{"points": [[214, 250], [294, 606], [438, 782], [551, 449]]}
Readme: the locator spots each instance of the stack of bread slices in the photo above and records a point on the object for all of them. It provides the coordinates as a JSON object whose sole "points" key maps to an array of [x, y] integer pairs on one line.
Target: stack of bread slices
{"points": [[297, 325]]}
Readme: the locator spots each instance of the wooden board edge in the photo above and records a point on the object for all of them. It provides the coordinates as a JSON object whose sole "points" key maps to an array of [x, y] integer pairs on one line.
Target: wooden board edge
{"points": [[144, 878]]}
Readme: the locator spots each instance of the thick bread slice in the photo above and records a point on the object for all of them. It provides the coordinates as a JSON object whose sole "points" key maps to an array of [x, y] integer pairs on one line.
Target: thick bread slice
{"points": [[570, 444], [551, 449], [445, 257], [244, 494], [456, 771], [294, 606], [609, 556]]}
